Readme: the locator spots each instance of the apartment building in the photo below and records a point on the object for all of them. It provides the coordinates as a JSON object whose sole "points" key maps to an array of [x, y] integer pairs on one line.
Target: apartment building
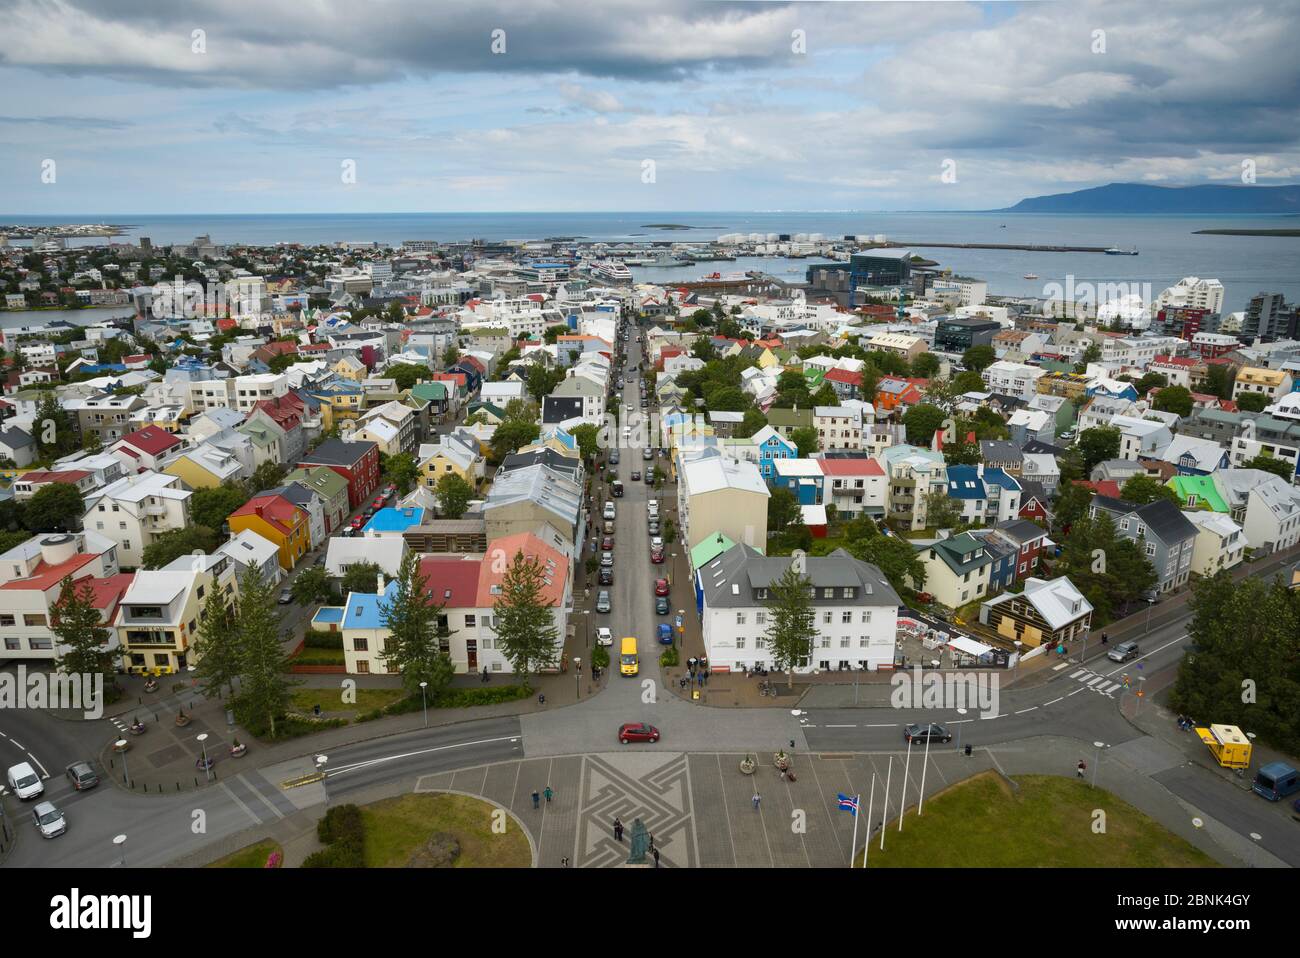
{"points": [[135, 510], [160, 616]]}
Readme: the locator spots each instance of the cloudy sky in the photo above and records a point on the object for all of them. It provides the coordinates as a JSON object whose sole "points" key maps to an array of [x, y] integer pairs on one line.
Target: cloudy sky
{"points": [[265, 105]]}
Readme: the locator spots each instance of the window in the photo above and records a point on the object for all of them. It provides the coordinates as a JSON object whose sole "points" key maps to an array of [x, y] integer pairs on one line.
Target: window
{"points": [[11, 643], [866, 616], [471, 621], [825, 642], [740, 618], [1151, 549], [826, 618], [33, 619], [844, 642], [846, 617], [740, 643], [760, 643], [363, 667], [828, 593], [6, 620], [760, 618]]}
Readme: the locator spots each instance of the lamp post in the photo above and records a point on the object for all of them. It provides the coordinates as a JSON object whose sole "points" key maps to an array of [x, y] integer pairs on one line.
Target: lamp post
{"points": [[1151, 604], [586, 627], [959, 725], [320, 767], [1100, 746], [207, 770], [120, 842], [424, 700], [121, 746], [577, 674]]}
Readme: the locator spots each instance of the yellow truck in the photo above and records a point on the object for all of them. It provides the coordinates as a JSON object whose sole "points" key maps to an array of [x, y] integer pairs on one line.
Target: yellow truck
{"points": [[1228, 744]]}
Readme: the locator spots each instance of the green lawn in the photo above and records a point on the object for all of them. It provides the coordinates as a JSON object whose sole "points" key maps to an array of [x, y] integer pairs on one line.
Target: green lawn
{"points": [[330, 700], [252, 856], [1047, 824], [397, 826]]}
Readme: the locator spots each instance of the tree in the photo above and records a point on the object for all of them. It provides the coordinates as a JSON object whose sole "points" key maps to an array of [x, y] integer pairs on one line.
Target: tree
{"points": [[211, 507], [541, 380], [1218, 381], [450, 357], [511, 435], [922, 422], [754, 421], [268, 475], [1090, 355], [805, 438], [588, 438], [407, 375], [401, 470], [81, 641], [1072, 504], [1097, 445], [174, 543], [454, 494], [792, 621], [782, 509], [311, 586], [925, 366], [895, 557], [968, 382], [1279, 467], [218, 659], [1151, 381], [51, 429], [941, 510], [1175, 399], [1140, 490], [1252, 402], [56, 506], [526, 632], [360, 577], [414, 643], [553, 333], [702, 348], [979, 358], [264, 666]]}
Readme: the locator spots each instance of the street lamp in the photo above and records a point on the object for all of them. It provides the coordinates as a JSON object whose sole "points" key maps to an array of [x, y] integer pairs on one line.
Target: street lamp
{"points": [[207, 769], [1151, 604], [424, 700], [1100, 746], [121, 745], [577, 674], [320, 767], [120, 842], [586, 627], [959, 725]]}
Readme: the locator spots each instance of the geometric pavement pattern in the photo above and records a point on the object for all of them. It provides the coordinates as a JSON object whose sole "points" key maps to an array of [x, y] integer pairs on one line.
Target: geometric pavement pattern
{"points": [[629, 787]]}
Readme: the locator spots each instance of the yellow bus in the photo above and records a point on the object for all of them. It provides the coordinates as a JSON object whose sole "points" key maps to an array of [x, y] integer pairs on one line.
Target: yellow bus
{"points": [[628, 661]]}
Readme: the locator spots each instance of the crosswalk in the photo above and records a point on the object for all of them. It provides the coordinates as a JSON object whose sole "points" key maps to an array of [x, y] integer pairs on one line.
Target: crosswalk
{"points": [[1101, 684]]}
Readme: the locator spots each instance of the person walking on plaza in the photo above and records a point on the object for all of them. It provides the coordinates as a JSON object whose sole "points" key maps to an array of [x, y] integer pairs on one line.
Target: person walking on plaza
{"points": [[1081, 768], [656, 853], [755, 800], [537, 799], [549, 794], [618, 829]]}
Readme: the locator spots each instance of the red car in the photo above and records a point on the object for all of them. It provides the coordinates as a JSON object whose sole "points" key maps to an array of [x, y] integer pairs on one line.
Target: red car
{"points": [[378, 503], [637, 732], [661, 586], [607, 543], [656, 555], [358, 522]]}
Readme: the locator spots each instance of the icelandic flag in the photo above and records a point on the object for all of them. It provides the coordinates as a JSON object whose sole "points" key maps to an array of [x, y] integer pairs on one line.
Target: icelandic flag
{"points": [[849, 803]]}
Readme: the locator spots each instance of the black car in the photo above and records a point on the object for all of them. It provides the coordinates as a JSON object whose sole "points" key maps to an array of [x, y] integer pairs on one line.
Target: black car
{"points": [[613, 458], [933, 732], [607, 575]]}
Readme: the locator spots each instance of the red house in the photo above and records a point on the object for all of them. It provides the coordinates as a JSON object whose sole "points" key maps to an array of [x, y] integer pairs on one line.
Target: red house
{"points": [[357, 462]]}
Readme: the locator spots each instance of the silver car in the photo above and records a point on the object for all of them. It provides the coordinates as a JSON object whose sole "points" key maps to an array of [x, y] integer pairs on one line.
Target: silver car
{"points": [[602, 601], [49, 820]]}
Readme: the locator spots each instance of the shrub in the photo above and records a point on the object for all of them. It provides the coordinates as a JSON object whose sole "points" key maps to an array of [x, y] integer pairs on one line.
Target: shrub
{"points": [[316, 639], [668, 657]]}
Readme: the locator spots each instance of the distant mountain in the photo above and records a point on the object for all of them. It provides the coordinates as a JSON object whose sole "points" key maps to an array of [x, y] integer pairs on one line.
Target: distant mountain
{"points": [[1143, 198]]}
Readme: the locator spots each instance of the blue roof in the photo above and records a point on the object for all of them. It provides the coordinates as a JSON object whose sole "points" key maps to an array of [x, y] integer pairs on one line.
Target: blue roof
{"points": [[964, 482], [328, 614], [999, 477], [395, 520], [365, 609]]}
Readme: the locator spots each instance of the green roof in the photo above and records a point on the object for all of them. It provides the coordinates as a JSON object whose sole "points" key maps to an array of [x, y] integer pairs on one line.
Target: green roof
{"points": [[1204, 488], [321, 478], [789, 416], [814, 375], [709, 549], [429, 392]]}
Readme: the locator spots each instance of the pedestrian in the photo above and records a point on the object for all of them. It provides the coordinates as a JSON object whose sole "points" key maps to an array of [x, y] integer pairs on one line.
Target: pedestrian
{"points": [[700, 678], [537, 799], [656, 854], [1104, 638], [618, 830], [1081, 768], [564, 863], [549, 794], [755, 800], [541, 698]]}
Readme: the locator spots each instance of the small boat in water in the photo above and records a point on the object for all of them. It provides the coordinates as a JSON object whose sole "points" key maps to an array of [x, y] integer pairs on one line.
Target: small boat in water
{"points": [[1116, 251], [1031, 276]]}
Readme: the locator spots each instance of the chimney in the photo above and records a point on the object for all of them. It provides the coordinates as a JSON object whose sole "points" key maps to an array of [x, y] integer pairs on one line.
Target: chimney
{"points": [[380, 577]]}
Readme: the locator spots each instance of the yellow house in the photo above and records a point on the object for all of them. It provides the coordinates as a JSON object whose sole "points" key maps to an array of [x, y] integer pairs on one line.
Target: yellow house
{"points": [[204, 468], [339, 401], [349, 367], [277, 520], [450, 459]]}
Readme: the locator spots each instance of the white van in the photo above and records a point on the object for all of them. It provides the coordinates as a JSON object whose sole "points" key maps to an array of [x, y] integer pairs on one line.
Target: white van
{"points": [[652, 507], [24, 782]]}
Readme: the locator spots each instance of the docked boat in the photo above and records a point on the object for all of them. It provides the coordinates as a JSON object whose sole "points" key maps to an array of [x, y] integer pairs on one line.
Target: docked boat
{"points": [[611, 271], [1031, 276], [667, 259], [1116, 251]]}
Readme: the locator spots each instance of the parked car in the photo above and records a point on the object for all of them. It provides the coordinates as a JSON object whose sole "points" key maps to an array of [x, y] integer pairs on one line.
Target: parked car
{"points": [[49, 820], [604, 636], [1123, 652], [607, 544], [285, 597], [933, 732], [636, 475], [656, 542], [378, 503], [649, 477], [647, 454], [82, 776], [665, 634], [609, 510], [358, 522], [637, 732], [607, 560], [602, 601], [653, 526], [657, 555], [24, 782], [661, 586], [661, 605], [613, 457], [606, 575]]}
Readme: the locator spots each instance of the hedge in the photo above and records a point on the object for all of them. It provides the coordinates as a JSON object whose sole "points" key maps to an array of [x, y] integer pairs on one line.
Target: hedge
{"points": [[316, 639], [344, 834]]}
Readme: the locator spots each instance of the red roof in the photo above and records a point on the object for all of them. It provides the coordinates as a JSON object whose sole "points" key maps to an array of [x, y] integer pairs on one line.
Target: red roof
{"points": [[150, 440], [452, 581], [285, 411], [1105, 487], [852, 466], [844, 376], [109, 592], [224, 324], [276, 510], [45, 576], [71, 476], [315, 348], [1183, 361]]}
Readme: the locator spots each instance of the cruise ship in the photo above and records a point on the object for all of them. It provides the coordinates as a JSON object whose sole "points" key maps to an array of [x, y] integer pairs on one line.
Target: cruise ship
{"points": [[610, 271]]}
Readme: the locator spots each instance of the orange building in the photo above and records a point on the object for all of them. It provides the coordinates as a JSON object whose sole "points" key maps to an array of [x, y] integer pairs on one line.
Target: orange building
{"points": [[278, 520]]}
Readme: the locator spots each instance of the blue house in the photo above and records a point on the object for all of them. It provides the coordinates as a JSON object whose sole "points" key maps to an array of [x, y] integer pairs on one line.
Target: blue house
{"points": [[771, 446], [803, 477], [1002, 571]]}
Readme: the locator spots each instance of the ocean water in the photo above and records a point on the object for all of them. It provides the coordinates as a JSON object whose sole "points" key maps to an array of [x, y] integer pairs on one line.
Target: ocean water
{"points": [[1169, 247]]}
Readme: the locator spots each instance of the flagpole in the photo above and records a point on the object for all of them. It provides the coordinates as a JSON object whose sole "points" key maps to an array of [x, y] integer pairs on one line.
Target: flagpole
{"points": [[925, 764], [902, 804], [871, 803], [857, 810], [884, 812]]}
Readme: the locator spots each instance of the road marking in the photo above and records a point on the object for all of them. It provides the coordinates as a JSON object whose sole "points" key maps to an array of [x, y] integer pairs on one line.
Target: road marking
{"points": [[1078, 672], [1063, 665], [1108, 688], [20, 744], [886, 725], [1094, 680], [836, 726], [37, 761], [248, 811], [1054, 701], [424, 751], [1030, 709]]}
